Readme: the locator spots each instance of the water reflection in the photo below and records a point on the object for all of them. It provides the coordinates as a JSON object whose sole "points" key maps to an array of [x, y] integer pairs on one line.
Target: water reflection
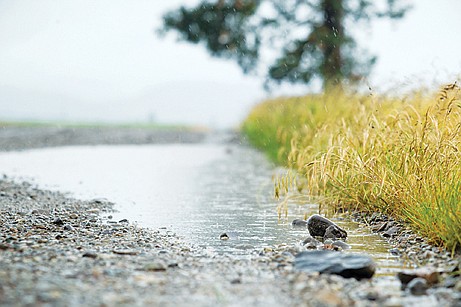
{"points": [[197, 190]]}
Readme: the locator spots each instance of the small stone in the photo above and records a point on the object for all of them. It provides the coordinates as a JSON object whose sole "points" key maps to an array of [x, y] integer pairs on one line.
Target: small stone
{"points": [[312, 241], [156, 266], [73, 216], [406, 276], [268, 249], [224, 236], [391, 232], [418, 286], [58, 221], [123, 221], [68, 227], [394, 251], [90, 254], [129, 252], [236, 281]]}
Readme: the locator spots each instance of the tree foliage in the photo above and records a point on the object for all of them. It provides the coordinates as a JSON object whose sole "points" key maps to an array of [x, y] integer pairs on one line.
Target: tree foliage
{"points": [[306, 38]]}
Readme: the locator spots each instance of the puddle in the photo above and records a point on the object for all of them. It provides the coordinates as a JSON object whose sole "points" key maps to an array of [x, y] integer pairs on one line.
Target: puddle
{"points": [[196, 190]]}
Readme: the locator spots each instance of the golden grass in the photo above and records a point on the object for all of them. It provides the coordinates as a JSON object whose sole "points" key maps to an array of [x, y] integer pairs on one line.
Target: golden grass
{"points": [[401, 157]]}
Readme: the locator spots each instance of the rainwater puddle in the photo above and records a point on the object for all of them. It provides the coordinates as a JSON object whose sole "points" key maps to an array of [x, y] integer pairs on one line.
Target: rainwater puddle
{"points": [[198, 191]]}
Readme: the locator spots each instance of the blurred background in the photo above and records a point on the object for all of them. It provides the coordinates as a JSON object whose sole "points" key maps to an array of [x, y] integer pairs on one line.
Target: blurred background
{"points": [[103, 61]]}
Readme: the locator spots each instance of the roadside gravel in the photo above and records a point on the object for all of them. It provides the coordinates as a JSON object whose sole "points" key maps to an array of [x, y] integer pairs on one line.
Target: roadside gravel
{"points": [[60, 251]]}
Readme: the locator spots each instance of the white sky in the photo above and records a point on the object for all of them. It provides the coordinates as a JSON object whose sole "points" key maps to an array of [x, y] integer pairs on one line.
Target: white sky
{"points": [[100, 60]]}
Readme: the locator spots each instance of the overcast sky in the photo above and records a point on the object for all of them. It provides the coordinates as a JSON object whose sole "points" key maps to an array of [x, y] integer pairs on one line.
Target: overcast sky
{"points": [[101, 60]]}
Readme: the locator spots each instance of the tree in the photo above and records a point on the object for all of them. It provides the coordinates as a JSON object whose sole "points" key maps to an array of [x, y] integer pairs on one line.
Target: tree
{"points": [[309, 37]]}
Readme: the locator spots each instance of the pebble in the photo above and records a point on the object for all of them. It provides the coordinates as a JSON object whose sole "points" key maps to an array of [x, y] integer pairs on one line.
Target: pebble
{"points": [[156, 266], [58, 221], [90, 254], [129, 252], [417, 286]]}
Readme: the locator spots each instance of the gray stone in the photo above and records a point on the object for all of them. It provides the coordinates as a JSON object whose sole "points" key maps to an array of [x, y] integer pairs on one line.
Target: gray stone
{"points": [[391, 232], [330, 262], [312, 241], [418, 286], [320, 226], [90, 254]]}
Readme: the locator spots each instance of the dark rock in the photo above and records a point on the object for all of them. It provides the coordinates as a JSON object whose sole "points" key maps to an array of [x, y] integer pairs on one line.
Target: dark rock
{"points": [[224, 236], [68, 227], [123, 221], [330, 262], [418, 286], [320, 226], [90, 254], [405, 277], [129, 252], [236, 281], [58, 221], [299, 223], [391, 232]]}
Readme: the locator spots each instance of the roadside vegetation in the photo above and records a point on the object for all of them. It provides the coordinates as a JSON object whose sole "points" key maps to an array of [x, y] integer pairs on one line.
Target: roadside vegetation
{"points": [[400, 157]]}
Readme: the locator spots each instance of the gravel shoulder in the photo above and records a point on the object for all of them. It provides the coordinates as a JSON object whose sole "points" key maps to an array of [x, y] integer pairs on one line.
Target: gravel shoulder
{"points": [[60, 251], [20, 138]]}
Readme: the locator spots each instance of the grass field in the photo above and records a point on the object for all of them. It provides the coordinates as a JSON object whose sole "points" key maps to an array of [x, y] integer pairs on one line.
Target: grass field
{"points": [[398, 156]]}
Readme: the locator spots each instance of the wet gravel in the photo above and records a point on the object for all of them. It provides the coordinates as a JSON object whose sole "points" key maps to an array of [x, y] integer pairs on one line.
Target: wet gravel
{"points": [[60, 251]]}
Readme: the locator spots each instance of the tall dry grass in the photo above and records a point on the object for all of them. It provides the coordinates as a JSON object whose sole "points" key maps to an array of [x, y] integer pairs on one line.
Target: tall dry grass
{"points": [[396, 156]]}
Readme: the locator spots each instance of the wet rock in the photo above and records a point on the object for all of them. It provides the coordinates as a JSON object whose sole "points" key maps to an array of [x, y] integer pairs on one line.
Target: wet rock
{"points": [[58, 221], [320, 226], [224, 236], [391, 232], [311, 240], [330, 262], [418, 286], [406, 276], [299, 223], [123, 221]]}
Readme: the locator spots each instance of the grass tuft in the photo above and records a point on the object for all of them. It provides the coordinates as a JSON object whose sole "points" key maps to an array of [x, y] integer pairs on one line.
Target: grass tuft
{"points": [[353, 152]]}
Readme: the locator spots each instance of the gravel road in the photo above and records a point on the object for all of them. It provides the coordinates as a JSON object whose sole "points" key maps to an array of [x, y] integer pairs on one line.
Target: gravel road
{"points": [[60, 251]]}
